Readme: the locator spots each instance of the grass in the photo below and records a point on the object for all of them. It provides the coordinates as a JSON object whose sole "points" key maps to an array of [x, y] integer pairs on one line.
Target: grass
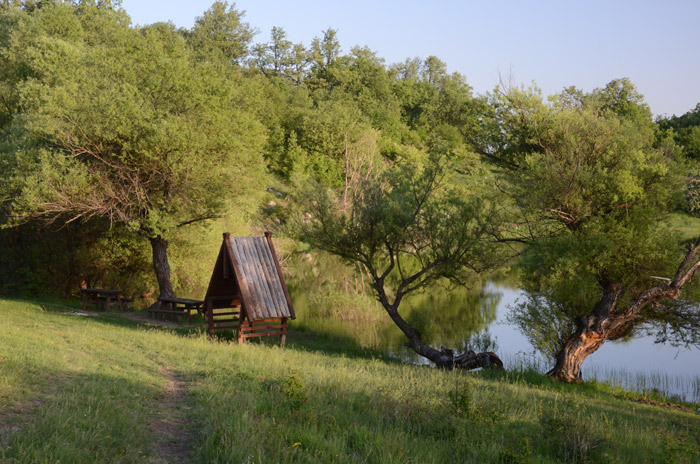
{"points": [[688, 226], [658, 385], [653, 385], [96, 389]]}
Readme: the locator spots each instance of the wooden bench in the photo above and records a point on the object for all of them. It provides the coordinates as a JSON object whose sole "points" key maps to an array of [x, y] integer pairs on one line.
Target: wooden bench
{"points": [[176, 306], [104, 297]]}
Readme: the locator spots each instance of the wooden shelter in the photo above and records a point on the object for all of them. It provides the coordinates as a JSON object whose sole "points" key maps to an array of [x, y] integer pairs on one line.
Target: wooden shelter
{"points": [[247, 291]]}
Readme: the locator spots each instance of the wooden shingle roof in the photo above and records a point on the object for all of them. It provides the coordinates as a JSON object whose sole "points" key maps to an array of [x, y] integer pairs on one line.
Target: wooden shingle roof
{"points": [[259, 277]]}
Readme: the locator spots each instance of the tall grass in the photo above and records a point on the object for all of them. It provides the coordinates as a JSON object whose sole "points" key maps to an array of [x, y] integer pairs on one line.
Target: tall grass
{"points": [[79, 389], [653, 383], [656, 384]]}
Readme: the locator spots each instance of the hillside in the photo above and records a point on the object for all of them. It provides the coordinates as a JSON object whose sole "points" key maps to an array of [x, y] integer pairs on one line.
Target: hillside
{"points": [[108, 389]]}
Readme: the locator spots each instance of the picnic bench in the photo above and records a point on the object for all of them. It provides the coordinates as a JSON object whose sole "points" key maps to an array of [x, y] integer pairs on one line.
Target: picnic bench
{"points": [[176, 306], [105, 297]]}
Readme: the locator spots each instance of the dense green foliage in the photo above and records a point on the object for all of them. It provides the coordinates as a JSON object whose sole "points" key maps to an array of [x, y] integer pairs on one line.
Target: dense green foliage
{"points": [[148, 130], [123, 124], [685, 131]]}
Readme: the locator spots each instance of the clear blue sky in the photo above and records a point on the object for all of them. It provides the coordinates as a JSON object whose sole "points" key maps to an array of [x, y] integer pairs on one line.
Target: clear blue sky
{"points": [[555, 43]]}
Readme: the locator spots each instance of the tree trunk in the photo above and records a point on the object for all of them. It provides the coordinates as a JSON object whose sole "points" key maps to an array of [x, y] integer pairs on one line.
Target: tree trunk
{"points": [[446, 359], [609, 322], [595, 331], [161, 266], [443, 358], [572, 355]]}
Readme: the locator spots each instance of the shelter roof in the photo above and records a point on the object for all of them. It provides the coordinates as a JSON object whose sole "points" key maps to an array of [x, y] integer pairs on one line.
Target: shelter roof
{"points": [[259, 277]]}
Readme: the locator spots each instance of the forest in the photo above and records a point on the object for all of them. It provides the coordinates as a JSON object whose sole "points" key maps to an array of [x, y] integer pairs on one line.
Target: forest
{"points": [[126, 151]]}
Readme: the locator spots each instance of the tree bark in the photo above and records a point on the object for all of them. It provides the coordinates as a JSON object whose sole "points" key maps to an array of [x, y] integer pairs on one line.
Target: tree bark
{"points": [[608, 322], [445, 358], [594, 332], [161, 266], [572, 355]]}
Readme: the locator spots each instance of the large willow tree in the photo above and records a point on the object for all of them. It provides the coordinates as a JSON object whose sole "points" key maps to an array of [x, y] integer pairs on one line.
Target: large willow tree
{"points": [[122, 123], [592, 184]]}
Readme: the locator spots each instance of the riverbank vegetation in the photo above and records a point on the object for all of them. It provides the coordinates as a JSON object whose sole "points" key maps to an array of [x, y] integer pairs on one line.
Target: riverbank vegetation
{"points": [[104, 388], [126, 150]]}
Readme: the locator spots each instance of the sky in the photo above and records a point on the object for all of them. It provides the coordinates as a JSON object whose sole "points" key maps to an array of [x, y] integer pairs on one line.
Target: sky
{"points": [[551, 43]]}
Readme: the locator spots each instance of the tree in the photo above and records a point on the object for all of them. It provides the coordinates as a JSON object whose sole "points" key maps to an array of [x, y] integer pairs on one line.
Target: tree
{"points": [[407, 228], [281, 58], [221, 31], [322, 54], [439, 107], [599, 260], [128, 126], [685, 131]]}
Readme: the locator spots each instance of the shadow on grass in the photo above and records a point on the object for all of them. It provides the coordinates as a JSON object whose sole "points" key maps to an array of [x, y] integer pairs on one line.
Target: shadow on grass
{"points": [[305, 339], [78, 417], [299, 338]]}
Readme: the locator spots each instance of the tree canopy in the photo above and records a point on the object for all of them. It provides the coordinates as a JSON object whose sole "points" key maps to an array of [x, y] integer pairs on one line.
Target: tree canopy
{"points": [[595, 226], [125, 124]]}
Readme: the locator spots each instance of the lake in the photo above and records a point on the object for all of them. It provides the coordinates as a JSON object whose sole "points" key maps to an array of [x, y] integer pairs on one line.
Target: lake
{"points": [[333, 300], [637, 363]]}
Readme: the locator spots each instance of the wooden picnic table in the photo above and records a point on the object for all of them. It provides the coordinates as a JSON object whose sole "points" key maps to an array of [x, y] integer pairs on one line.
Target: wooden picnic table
{"points": [[177, 306], [105, 296]]}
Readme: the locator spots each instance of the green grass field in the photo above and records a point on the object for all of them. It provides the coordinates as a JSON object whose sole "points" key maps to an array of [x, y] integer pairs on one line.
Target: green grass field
{"points": [[107, 389]]}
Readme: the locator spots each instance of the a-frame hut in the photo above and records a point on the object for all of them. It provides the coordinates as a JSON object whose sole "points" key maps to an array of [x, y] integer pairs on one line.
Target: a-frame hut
{"points": [[247, 291]]}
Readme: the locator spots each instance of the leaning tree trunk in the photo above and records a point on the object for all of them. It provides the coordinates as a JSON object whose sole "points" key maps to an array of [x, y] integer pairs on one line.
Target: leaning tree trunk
{"points": [[595, 331], [161, 266], [609, 322], [443, 358], [574, 352]]}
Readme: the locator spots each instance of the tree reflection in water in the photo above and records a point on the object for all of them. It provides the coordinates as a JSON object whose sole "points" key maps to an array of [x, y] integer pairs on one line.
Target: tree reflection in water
{"points": [[335, 300]]}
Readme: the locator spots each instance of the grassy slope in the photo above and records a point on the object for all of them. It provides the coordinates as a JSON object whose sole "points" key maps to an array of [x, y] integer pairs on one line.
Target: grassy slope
{"points": [[81, 389]]}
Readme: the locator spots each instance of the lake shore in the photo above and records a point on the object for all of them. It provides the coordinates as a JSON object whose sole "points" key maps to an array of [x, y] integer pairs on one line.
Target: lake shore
{"points": [[101, 389]]}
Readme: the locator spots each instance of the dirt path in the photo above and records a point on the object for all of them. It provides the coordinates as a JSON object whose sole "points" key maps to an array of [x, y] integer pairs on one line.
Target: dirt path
{"points": [[172, 427]]}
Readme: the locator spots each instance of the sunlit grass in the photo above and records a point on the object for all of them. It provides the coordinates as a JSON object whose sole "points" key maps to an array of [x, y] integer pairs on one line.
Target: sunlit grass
{"points": [[86, 389], [687, 226], [654, 384]]}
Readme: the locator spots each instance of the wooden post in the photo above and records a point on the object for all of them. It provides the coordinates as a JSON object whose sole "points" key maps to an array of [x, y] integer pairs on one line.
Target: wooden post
{"points": [[283, 337], [210, 318], [243, 323], [224, 262]]}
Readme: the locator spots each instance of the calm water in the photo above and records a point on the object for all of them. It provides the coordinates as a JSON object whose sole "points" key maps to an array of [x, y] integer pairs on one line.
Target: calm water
{"points": [[637, 363], [330, 300]]}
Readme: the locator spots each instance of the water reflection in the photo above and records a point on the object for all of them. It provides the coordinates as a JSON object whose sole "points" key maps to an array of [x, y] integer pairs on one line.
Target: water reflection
{"points": [[636, 363], [336, 300], [452, 316]]}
